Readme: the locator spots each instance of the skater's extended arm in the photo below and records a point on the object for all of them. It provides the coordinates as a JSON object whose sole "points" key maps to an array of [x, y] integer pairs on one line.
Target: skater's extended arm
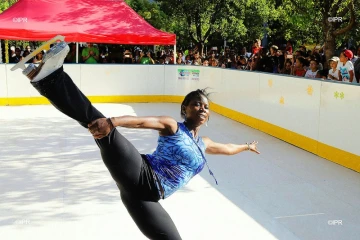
{"points": [[102, 126], [227, 149], [159, 123]]}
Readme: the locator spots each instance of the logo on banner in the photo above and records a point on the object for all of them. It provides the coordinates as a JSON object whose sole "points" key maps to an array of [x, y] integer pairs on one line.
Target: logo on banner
{"points": [[188, 74]]}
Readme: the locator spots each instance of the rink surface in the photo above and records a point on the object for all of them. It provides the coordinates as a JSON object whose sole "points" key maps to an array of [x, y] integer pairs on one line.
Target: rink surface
{"points": [[54, 185]]}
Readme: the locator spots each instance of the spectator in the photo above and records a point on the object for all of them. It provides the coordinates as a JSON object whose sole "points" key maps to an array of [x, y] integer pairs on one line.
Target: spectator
{"points": [[287, 68], [16, 57], [289, 48], [181, 55], [333, 72], [299, 53], [353, 50], [227, 52], [71, 57], [244, 53], [188, 60], [265, 62], [357, 65], [24, 55], [39, 57], [128, 58], [274, 59], [308, 53], [197, 59], [90, 54], [346, 68], [314, 68], [213, 62], [316, 50], [28, 48], [317, 57], [205, 63], [303, 49], [146, 59], [179, 61], [233, 62], [137, 55], [12, 52], [255, 48], [242, 63], [299, 68]]}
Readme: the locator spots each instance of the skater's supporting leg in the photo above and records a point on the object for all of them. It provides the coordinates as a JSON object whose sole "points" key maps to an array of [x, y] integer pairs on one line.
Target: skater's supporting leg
{"points": [[150, 217]]}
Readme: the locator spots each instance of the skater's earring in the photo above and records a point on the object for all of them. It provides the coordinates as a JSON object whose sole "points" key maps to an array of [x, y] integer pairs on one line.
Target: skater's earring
{"points": [[206, 124]]}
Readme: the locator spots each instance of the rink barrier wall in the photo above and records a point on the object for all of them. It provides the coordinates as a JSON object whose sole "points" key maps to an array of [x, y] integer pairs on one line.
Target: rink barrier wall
{"points": [[296, 110]]}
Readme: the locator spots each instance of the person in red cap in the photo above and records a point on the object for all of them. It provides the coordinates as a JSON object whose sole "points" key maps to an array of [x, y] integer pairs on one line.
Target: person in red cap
{"points": [[346, 67]]}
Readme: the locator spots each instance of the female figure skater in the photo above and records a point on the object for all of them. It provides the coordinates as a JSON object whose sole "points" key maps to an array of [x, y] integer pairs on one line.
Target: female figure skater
{"points": [[142, 179]]}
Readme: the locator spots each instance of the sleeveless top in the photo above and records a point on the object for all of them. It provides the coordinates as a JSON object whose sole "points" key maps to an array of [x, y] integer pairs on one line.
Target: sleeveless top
{"points": [[177, 159]]}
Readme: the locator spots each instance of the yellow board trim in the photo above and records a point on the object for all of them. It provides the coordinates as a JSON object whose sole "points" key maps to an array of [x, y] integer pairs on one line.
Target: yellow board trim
{"points": [[333, 154]]}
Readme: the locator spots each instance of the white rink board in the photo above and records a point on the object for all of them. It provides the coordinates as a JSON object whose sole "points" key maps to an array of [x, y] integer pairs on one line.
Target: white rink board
{"points": [[3, 85], [340, 116], [299, 110], [239, 91], [246, 92], [17, 84]]}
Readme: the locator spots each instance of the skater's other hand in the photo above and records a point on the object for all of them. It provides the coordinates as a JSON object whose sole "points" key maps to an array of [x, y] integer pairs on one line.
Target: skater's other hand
{"points": [[253, 147], [100, 128]]}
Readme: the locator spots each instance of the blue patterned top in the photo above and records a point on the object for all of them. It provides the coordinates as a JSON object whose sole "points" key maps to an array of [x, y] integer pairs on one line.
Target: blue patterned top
{"points": [[177, 159]]}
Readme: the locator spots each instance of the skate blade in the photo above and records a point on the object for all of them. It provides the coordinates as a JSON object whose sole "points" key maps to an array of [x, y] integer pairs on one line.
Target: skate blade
{"points": [[46, 46]]}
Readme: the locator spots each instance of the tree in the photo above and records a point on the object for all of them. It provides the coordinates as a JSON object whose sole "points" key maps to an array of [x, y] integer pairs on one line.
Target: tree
{"points": [[234, 20], [152, 13], [315, 19]]}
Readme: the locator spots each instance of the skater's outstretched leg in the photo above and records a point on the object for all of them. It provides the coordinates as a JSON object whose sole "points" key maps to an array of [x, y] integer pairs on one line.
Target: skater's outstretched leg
{"points": [[52, 82]]}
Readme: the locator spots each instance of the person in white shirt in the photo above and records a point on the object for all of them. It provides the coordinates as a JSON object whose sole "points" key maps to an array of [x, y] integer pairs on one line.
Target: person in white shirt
{"points": [[345, 67], [311, 73], [333, 72]]}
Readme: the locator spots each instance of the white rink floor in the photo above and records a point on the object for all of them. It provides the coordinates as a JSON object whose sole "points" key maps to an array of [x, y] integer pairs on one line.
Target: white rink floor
{"points": [[54, 185]]}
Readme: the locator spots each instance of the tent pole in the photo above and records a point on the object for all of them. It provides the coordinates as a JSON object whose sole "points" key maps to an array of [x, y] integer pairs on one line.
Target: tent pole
{"points": [[175, 56], [77, 52]]}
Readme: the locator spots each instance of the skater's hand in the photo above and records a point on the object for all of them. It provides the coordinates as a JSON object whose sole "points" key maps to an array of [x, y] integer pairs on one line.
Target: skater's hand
{"points": [[100, 128], [252, 147]]}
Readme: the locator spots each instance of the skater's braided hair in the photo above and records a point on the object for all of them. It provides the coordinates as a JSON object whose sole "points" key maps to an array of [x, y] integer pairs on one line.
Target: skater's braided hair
{"points": [[193, 95]]}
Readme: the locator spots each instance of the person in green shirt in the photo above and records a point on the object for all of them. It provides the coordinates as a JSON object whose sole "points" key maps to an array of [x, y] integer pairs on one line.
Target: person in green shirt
{"points": [[146, 59], [90, 54]]}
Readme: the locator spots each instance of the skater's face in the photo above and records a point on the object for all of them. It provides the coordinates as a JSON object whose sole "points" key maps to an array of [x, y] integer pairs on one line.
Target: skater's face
{"points": [[197, 110]]}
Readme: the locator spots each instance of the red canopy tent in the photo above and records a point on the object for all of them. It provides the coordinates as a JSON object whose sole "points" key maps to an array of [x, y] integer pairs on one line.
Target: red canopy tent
{"points": [[101, 21]]}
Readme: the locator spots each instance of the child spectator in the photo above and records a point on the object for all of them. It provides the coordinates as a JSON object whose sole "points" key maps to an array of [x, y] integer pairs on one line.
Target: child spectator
{"points": [[333, 72], [287, 69], [179, 61], [205, 62], [345, 67], [289, 48], [255, 48], [314, 68], [299, 69]]}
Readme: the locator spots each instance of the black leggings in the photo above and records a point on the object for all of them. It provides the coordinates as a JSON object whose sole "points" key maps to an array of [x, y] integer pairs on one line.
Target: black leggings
{"points": [[125, 164]]}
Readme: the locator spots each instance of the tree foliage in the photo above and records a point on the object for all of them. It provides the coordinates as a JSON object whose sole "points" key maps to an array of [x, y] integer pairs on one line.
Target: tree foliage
{"points": [[5, 4], [233, 20]]}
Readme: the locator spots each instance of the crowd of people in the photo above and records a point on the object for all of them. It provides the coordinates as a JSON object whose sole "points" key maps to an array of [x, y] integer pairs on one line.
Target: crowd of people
{"points": [[302, 62]]}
